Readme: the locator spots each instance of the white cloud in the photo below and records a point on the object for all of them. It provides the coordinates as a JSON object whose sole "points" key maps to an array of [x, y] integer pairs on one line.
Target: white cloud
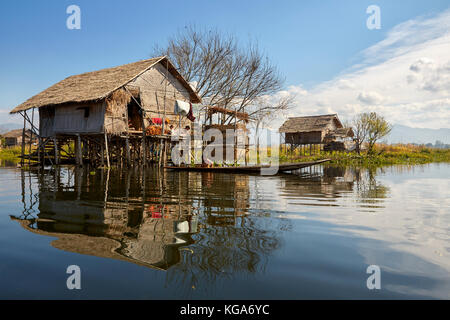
{"points": [[405, 77], [421, 64], [430, 76], [371, 97]]}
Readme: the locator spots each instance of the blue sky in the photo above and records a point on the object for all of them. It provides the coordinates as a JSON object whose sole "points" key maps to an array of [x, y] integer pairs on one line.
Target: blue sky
{"points": [[312, 42]]}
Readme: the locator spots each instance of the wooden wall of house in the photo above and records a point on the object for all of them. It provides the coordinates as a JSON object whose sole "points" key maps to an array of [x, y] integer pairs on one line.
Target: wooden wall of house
{"points": [[46, 120], [72, 119], [242, 141], [13, 141], [115, 121], [304, 137], [154, 85], [79, 118], [330, 127]]}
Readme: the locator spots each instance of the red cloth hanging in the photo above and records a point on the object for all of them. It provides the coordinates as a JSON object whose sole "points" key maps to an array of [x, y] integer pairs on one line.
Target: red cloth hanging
{"points": [[190, 114], [157, 121]]}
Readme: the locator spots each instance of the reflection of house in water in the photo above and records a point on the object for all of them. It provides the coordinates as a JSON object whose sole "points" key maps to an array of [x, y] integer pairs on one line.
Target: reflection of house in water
{"points": [[328, 182], [147, 216], [125, 228], [232, 192]]}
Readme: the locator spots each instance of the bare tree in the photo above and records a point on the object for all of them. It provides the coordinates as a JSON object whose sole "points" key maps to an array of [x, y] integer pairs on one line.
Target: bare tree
{"points": [[224, 73], [266, 114], [370, 128], [361, 129]]}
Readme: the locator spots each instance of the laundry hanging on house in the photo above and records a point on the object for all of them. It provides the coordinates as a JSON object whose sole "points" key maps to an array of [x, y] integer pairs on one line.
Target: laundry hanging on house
{"points": [[159, 121], [190, 114], [182, 107]]}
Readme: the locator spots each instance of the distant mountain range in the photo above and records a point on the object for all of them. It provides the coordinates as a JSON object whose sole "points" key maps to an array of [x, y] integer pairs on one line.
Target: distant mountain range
{"points": [[405, 134], [5, 127]]}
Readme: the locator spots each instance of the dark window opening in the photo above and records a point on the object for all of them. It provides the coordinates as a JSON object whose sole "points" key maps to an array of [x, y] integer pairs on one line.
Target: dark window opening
{"points": [[134, 115], [86, 111]]}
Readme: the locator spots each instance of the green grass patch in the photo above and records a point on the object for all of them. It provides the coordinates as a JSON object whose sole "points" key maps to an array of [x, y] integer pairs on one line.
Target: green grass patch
{"points": [[10, 153], [383, 155]]}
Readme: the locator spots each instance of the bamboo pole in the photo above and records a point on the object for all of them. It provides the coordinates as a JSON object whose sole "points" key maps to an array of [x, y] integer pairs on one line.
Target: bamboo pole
{"points": [[31, 138], [143, 137], [127, 146], [102, 151], [39, 150], [23, 139], [162, 144], [55, 148], [107, 152], [78, 157]]}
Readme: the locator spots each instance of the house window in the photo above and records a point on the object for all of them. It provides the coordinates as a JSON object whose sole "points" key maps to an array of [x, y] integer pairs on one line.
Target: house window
{"points": [[86, 111]]}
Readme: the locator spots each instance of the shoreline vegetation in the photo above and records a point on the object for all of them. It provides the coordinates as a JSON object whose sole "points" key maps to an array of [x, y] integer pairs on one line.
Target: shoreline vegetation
{"points": [[11, 153], [383, 155]]}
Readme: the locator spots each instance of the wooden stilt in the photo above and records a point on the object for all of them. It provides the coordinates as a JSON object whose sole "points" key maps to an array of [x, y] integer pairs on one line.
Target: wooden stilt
{"points": [[23, 139], [31, 137], [128, 155], [55, 147], [143, 137], [107, 151], [165, 153], [78, 156], [39, 150]]}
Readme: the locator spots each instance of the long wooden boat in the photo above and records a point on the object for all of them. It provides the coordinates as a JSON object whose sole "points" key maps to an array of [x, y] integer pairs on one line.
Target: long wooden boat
{"points": [[248, 169]]}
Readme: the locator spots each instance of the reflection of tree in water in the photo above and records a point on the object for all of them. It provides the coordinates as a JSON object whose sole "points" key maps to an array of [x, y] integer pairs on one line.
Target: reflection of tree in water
{"points": [[222, 252], [230, 242], [367, 187]]}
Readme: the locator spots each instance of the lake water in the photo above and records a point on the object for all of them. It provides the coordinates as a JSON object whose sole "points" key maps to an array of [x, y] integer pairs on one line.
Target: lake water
{"points": [[170, 235]]}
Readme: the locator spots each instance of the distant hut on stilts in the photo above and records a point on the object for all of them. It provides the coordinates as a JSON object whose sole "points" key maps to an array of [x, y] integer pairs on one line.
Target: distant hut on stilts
{"points": [[310, 134]]}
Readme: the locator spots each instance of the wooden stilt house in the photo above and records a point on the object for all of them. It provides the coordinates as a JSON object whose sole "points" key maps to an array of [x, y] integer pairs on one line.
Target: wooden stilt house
{"points": [[106, 113]]}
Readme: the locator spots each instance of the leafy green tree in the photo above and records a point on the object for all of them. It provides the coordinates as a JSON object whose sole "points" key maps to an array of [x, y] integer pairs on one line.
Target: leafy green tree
{"points": [[369, 127]]}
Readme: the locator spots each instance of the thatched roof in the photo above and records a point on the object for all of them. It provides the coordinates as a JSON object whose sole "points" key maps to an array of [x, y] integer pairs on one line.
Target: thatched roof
{"points": [[309, 123], [16, 133], [99, 246], [343, 132], [98, 85]]}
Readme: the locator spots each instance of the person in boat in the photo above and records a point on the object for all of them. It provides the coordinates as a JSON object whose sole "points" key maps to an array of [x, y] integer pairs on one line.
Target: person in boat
{"points": [[207, 163]]}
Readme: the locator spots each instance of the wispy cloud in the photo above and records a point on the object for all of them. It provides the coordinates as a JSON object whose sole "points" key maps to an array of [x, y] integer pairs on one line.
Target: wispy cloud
{"points": [[405, 77]]}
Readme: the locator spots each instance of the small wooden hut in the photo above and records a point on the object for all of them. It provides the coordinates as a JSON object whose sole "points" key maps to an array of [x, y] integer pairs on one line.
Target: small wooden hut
{"points": [[237, 125], [106, 113], [312, 131], [14, 137]]}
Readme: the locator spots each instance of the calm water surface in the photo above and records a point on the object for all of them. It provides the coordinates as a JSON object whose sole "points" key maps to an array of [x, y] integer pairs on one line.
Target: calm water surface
{"points": [[152, 235]]}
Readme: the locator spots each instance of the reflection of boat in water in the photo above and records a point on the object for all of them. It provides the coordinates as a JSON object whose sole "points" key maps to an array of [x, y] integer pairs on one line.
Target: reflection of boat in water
{"points": [[285, 167]]}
